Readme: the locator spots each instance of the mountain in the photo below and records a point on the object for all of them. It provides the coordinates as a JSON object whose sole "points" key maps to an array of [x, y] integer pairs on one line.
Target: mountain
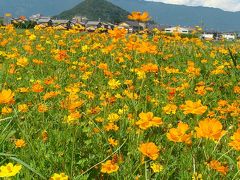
{"points": [[95, 9], [30, 7], [168, 14]]}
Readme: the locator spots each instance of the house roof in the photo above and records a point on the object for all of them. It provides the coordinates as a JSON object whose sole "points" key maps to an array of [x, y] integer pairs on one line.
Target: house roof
{"points": [[92, 23], [35, 16], [60, 21], [178, 28], [75, 23], [43, 20]]}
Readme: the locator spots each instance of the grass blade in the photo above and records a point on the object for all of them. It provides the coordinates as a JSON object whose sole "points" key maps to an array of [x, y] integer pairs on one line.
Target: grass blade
{"points": [[27, 166]]}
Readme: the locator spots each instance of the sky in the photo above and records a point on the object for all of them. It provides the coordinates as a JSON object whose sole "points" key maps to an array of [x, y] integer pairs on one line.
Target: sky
{"points": [[227, 5]]}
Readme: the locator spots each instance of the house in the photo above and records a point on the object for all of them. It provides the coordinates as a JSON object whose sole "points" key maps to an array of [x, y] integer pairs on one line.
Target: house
{"points": [[35, 17], [44, 21], [131, 26], [60, 24], [93, 25], [238, 36], [78, 22], [79, 19], [207, 36], [229, 36], [18, 20], [108, 26], [178, 29], [211, 35]]}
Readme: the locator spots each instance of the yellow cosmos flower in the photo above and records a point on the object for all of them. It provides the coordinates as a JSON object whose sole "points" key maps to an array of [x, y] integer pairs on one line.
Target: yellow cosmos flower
{"points": [[109, 167], [6, 96], [22, 107], [156, 167], [179, 134], [210, 128], [61, 176], [9, 170], [114, 84], [73, 117], [32, 37], [150, 150], [112, 141], [22, 62], [113, 117], [170, 109], [191, 107]]}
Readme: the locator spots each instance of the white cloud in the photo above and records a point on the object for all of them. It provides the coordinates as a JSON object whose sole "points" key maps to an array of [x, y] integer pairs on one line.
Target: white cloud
{"points": [[227, 5]]}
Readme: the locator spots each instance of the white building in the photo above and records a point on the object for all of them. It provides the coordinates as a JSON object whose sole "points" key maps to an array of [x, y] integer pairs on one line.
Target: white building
{"points": [[207, 36], [229, 36], [178, 29]]}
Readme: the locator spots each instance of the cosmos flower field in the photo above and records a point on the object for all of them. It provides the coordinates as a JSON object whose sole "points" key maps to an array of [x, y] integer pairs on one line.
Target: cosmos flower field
{"points": [[77, 105]]}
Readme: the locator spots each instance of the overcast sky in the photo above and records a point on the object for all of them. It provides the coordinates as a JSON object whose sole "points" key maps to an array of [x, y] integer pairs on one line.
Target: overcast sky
{"points": [[228, 5]]}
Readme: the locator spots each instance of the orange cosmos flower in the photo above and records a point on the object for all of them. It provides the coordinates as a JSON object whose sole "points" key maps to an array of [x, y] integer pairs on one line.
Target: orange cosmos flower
{"points": [[19, 143], [6, 110], [191, 107], [138, 16], [117, 33], [216, 165], [235, 143], [111, 126], [51, 94], [150, 67], [6, 97], [103, 66], [109, 167], [44, 136], [72, 102], [179, 134], [37, 87], [210, 128], [36, 61], [42, 108], [147, 120], [150, 150]]}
